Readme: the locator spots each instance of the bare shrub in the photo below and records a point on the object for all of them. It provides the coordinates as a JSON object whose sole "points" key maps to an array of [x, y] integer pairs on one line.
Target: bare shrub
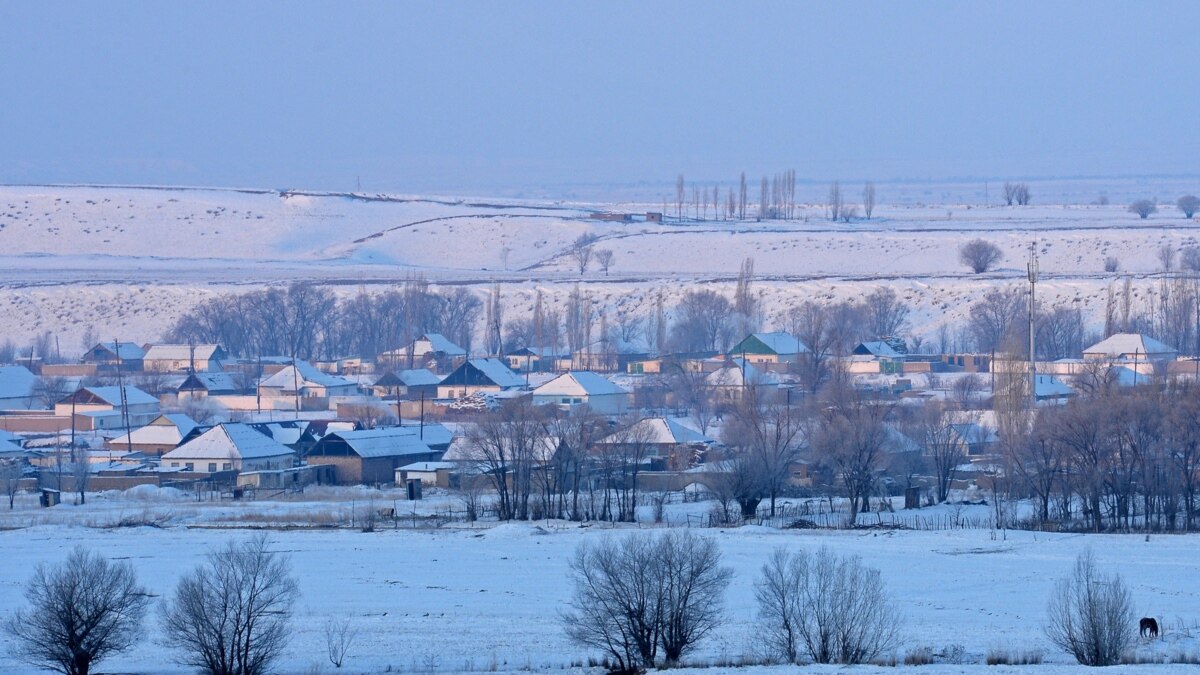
{"points": [[81, 611], [1111, 264], [1008, 657], [1143, 208], [1091, 615], [640, 593], [339, 636], [1189, 204], [979, 255], [230, 615], [1016, 193], [831, 609]]}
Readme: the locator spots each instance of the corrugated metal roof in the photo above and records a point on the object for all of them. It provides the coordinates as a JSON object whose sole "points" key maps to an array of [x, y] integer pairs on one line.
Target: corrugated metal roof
{"points": [[180, 352], [112, 395], [385, 442], [578, 383], [305, 374], [225, 441], [16, 381], [1121, 344]]}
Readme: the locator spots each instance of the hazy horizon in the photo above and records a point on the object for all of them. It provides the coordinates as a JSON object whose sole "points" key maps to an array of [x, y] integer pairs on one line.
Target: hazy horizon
{"points": [[479, 97]]}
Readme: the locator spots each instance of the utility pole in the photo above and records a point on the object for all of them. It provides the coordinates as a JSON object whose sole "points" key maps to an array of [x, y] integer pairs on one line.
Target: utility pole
{"points": [[124, 401], [1033, 279]]}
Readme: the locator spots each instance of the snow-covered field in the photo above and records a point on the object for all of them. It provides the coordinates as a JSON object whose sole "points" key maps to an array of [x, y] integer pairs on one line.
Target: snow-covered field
{"points": [[457, 599], [129, 261]]}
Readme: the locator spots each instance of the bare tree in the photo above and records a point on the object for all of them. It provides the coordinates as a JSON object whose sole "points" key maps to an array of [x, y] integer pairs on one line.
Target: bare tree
{"points": [[604, 258], [995, 318], [1166, 257], [704, 322], [680, 195], [979, 255], [886, 313], [851, 437], [1016, 193], [10, 480], [1112, 264], [835, 200], [1144, 208], [769, 435], [848, 213], [1189, 204], [81, 611], [932, 427], [581, 251], [339, 637], [644, 592], [50, 389], [230, 615], [81, 474], [869, 199], [742, 196], [832, 609], [507, 445], [1091, 615]]}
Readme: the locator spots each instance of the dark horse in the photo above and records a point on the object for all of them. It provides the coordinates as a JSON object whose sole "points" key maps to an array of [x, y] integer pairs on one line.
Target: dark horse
{"points": [[1148, 627]]}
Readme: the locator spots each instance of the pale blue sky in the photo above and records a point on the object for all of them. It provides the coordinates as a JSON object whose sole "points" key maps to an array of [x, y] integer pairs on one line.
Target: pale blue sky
{"points": [[442, 96]]}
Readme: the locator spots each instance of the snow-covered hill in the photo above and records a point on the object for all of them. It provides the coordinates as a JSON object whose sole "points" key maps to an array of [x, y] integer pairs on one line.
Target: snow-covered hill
{"points": [[128, 261]]}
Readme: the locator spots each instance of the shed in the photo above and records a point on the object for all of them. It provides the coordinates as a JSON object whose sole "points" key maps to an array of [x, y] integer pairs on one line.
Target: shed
{"points": [[371, 455]]}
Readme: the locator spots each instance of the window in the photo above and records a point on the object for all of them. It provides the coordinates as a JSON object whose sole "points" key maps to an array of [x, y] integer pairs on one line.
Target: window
{"points": [[188, 466], [225, 466], [212, 467]]}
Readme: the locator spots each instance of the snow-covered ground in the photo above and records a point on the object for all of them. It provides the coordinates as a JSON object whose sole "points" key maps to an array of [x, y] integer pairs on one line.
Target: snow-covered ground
{"points": [[486, 598], [129, 261]]}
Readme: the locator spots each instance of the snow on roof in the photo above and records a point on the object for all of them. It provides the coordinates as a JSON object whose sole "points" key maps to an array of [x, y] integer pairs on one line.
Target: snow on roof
{"points": [[229, 441], [163, 430], [578, 383], [112, 395], [491, 370], [125, 350], [780, 343], [181, 352], [417, 377], [1048, 386], [973, 433], [9, 436], [16, 381], [304, 374], [427, 466], [9, 448], [1128, 344], [440, 343], [730, 375], [660, 431], [382, 442], [878, 349], [209, 382]]}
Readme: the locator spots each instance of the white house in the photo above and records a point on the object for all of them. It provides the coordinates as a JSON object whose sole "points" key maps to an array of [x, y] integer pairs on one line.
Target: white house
{"points": [[308, 381], [161, 435], [229, 447], [98, 408], [183, 358], [576, 388], [1129, 347]]}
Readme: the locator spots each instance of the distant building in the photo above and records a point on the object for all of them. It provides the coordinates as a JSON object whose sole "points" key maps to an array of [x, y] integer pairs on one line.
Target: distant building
{"points": [[305, 381], [163, 434], [777, 347], [579, 388], [229, 447], [407, 384], [98, 408], [1130, 347], [184, 358], [476, 375], [17, 388], [109, 354], [432, 350], [371, 455]]}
